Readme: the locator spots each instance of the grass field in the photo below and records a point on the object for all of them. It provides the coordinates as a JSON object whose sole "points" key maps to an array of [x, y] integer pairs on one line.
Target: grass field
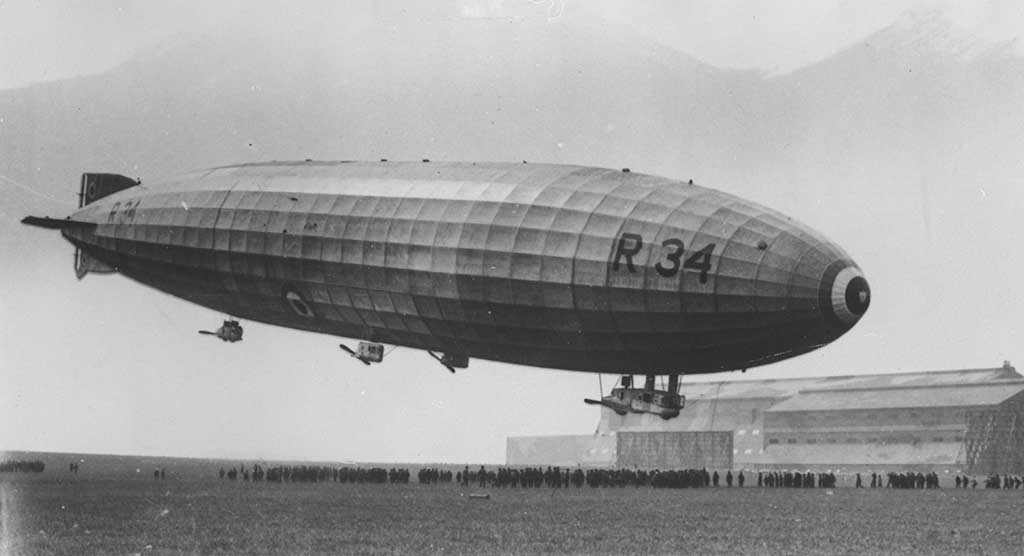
{"points": [[59, 513]]}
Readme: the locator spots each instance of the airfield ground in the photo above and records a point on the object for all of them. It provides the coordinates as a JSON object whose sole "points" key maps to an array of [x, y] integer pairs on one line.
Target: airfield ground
{"points": [[59, 513]]}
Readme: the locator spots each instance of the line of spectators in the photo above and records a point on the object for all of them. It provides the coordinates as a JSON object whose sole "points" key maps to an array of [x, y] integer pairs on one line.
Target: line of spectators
{"points": [[21, 466], [1004, 482], [432, 475], [791, 479], [557, 477], [908, 480], [314, 474]]}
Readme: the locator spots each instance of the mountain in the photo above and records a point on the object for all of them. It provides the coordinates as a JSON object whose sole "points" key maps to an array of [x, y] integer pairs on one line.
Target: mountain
{"points": [[476, 88]]}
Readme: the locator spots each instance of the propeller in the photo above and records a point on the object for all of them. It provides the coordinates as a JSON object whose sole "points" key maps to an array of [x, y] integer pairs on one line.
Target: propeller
{"points": [[441, 361], [353, 354], [618, 410]]}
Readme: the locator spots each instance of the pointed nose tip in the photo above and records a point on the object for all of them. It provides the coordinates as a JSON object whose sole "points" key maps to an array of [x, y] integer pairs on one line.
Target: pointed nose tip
{"points": [[844, 294]]}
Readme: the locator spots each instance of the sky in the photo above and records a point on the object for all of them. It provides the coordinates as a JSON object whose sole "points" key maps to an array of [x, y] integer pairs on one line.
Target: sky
{"points": [[306, 400], [47, 40]]}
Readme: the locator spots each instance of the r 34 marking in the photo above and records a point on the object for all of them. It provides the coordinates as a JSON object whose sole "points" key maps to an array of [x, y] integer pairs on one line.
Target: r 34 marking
{"points": [[629, 245], [123, 214]]}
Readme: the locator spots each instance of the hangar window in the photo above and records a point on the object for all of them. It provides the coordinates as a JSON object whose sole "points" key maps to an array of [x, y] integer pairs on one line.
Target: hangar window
{"points": [[773, 440], [937, 439], [741, 432], [812, 440], [790, 441], [755, 432]]}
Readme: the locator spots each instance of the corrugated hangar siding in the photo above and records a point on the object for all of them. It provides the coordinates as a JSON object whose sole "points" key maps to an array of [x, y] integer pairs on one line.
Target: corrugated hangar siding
{"points": [[644, 450], [675, 450], [994, 439], [565, 451], [969, 427], [952, 395], [971, 419]]}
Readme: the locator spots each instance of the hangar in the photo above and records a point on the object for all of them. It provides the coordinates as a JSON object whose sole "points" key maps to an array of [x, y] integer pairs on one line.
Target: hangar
{"points": [[968, 421]]}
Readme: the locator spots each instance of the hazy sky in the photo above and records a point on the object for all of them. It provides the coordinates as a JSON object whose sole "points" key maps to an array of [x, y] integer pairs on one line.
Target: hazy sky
{"points": [[142, 380], [46, 40]]}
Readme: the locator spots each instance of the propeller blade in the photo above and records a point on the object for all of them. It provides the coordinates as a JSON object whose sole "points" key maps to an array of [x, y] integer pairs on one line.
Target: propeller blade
{"points": [[617, 409], [441, 361], [348, 349]]}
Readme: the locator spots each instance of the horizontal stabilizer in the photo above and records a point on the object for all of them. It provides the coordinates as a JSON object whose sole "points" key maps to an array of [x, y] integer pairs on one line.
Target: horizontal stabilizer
{"points": [[54, 223]]}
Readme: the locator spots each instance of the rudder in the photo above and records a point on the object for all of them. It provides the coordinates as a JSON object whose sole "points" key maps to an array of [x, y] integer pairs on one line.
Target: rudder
{"points": [[97, 186]]}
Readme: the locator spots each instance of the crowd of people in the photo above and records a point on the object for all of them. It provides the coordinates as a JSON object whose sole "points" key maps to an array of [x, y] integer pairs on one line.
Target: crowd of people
{"points": [[21, 466], [556, 477], [789, 479], [433, 475], [576, 477], [1004, 482], [314, 474], [905, 480]]}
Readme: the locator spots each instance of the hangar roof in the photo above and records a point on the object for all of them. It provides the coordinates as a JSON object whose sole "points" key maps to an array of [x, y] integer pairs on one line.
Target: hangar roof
{"points": [[786, 388], [942, 395]]}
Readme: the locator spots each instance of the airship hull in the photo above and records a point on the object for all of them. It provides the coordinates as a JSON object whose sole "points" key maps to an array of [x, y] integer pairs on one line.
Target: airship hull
{"points": [[566, 267]]}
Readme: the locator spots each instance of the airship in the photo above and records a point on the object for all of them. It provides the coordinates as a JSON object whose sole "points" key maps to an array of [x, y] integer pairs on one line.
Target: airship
{"points": [[556, 266]]}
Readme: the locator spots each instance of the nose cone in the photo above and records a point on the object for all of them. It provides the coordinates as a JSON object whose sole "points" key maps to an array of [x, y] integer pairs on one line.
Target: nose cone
{"points": [[844, 296]]}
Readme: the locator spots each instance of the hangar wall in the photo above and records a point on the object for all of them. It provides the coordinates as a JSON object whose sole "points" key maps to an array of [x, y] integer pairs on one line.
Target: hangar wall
{"points": [[674, 450], [962, 421], [994, 440], [563, 451], [635, 450]]}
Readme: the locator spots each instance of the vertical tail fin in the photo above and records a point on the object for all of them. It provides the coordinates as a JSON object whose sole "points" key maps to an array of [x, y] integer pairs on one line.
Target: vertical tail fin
{"points": [[98, 186]]}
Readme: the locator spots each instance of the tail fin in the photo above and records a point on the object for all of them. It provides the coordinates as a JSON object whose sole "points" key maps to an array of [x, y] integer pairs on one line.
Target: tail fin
{"points": [[97, 186], [84, 262]]}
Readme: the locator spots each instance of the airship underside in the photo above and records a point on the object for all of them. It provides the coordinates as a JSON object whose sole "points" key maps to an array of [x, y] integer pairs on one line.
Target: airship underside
{"points": [[567, 267]]}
